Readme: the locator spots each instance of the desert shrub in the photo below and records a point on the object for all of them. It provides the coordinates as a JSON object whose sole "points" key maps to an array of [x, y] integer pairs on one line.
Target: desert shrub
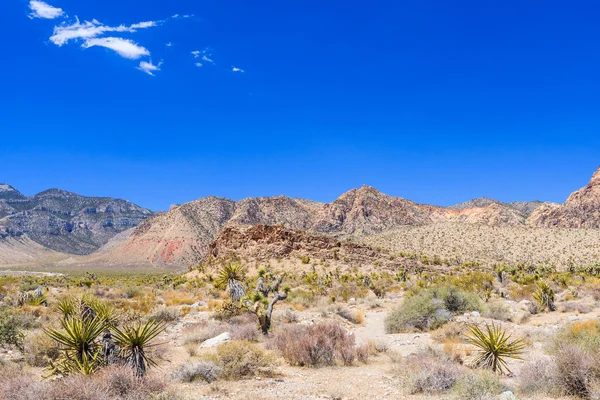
{"points": [[355, 317], [114, 383], [363, 352], [576, 356], [165, 315], [316, 345], [417, 313], [430, 309], [498, 312], [478, 386], [241, 359], [537, 377], [206, 371], [427, 372], [11, 333], [450, 331], [247, 331], [574, 307], [39, 349]]}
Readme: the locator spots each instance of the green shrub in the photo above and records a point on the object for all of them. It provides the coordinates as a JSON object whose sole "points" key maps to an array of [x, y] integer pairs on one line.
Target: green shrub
{"points": [[241, 359], [430, 309], [483, 385], [11, 333]]}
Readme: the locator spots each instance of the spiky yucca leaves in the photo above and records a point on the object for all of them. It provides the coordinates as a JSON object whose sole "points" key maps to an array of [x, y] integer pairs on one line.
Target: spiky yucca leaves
{"points": [[493, 348], [87, 307], [544, 296], [78, 341], [135, 340], [231, 277]]}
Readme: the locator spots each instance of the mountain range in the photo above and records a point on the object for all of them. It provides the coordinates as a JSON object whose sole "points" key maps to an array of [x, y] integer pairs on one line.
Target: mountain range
{"points": [[107, 231]]}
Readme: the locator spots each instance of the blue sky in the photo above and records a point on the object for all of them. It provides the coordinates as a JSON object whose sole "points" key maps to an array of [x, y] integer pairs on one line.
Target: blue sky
{"points": [[434, 101]]}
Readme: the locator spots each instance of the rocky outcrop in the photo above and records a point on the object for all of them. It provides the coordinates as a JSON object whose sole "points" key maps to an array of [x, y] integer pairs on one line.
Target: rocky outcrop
{"points": [[265, 242], [66, 222], [581, 210]]}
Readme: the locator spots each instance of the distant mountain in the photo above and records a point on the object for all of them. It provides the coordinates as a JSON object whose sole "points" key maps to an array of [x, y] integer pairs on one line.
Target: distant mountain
{"points": [[8, 192], [581, 210], [63, 221], [523, 207], [182, 235], [118, 233]]}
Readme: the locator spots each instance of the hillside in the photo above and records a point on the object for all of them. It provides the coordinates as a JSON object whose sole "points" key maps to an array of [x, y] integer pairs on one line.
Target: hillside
{"points": [[63, 221], [181, 236], [581, 210]]}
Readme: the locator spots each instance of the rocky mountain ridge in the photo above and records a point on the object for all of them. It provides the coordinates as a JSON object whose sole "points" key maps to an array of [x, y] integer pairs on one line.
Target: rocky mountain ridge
{"points": [[182, 235], [581, 210], [63, 221]]}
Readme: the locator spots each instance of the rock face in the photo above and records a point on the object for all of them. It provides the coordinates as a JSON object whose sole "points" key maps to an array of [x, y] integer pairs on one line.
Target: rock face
{"points": [[267, 242], [581, 210], [63, 221]]}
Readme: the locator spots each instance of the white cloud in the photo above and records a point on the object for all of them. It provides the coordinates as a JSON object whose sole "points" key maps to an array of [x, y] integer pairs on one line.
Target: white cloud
{"points": [[87, 30], [235, 69], [149, 68], [125, 48], [40, 9], [198, 64], [175, 16], [207, 59], [196, 53], [169, 44], [144, 25]]}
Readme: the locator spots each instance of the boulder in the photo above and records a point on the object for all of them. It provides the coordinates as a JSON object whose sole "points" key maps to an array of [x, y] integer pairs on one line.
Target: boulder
{"points": [[217, 340]]}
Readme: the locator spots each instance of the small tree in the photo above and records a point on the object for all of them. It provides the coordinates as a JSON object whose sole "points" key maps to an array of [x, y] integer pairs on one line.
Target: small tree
{"points": [[263, 299], [544, 296]]}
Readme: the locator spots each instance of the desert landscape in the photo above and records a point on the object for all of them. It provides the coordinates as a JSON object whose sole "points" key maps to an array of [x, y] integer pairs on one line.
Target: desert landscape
{"points": [[282, 298]]}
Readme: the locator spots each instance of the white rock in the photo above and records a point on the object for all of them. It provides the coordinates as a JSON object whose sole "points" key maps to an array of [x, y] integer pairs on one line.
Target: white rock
{"points": [[573, 318], [476, 314], [508, 395], [217, 340]]}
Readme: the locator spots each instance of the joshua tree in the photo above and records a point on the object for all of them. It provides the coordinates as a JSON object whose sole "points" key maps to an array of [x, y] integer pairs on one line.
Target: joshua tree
{"points": [[544, 296], [261, 304], [263, 299]]}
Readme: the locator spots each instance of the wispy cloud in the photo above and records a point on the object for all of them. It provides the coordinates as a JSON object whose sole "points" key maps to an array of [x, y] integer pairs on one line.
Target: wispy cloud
{"points": [[198, 64], [40, 9], [91, 29], [236, 69], [124, 47], [150, 68], [169, 44], [196, 53], [205, 58]]}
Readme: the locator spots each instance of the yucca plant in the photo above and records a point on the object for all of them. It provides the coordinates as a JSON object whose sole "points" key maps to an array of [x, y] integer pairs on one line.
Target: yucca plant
{"points": [[493, 348], [231, 277], [544, 296], [67, 307], [78, 341], [135, 340]]}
